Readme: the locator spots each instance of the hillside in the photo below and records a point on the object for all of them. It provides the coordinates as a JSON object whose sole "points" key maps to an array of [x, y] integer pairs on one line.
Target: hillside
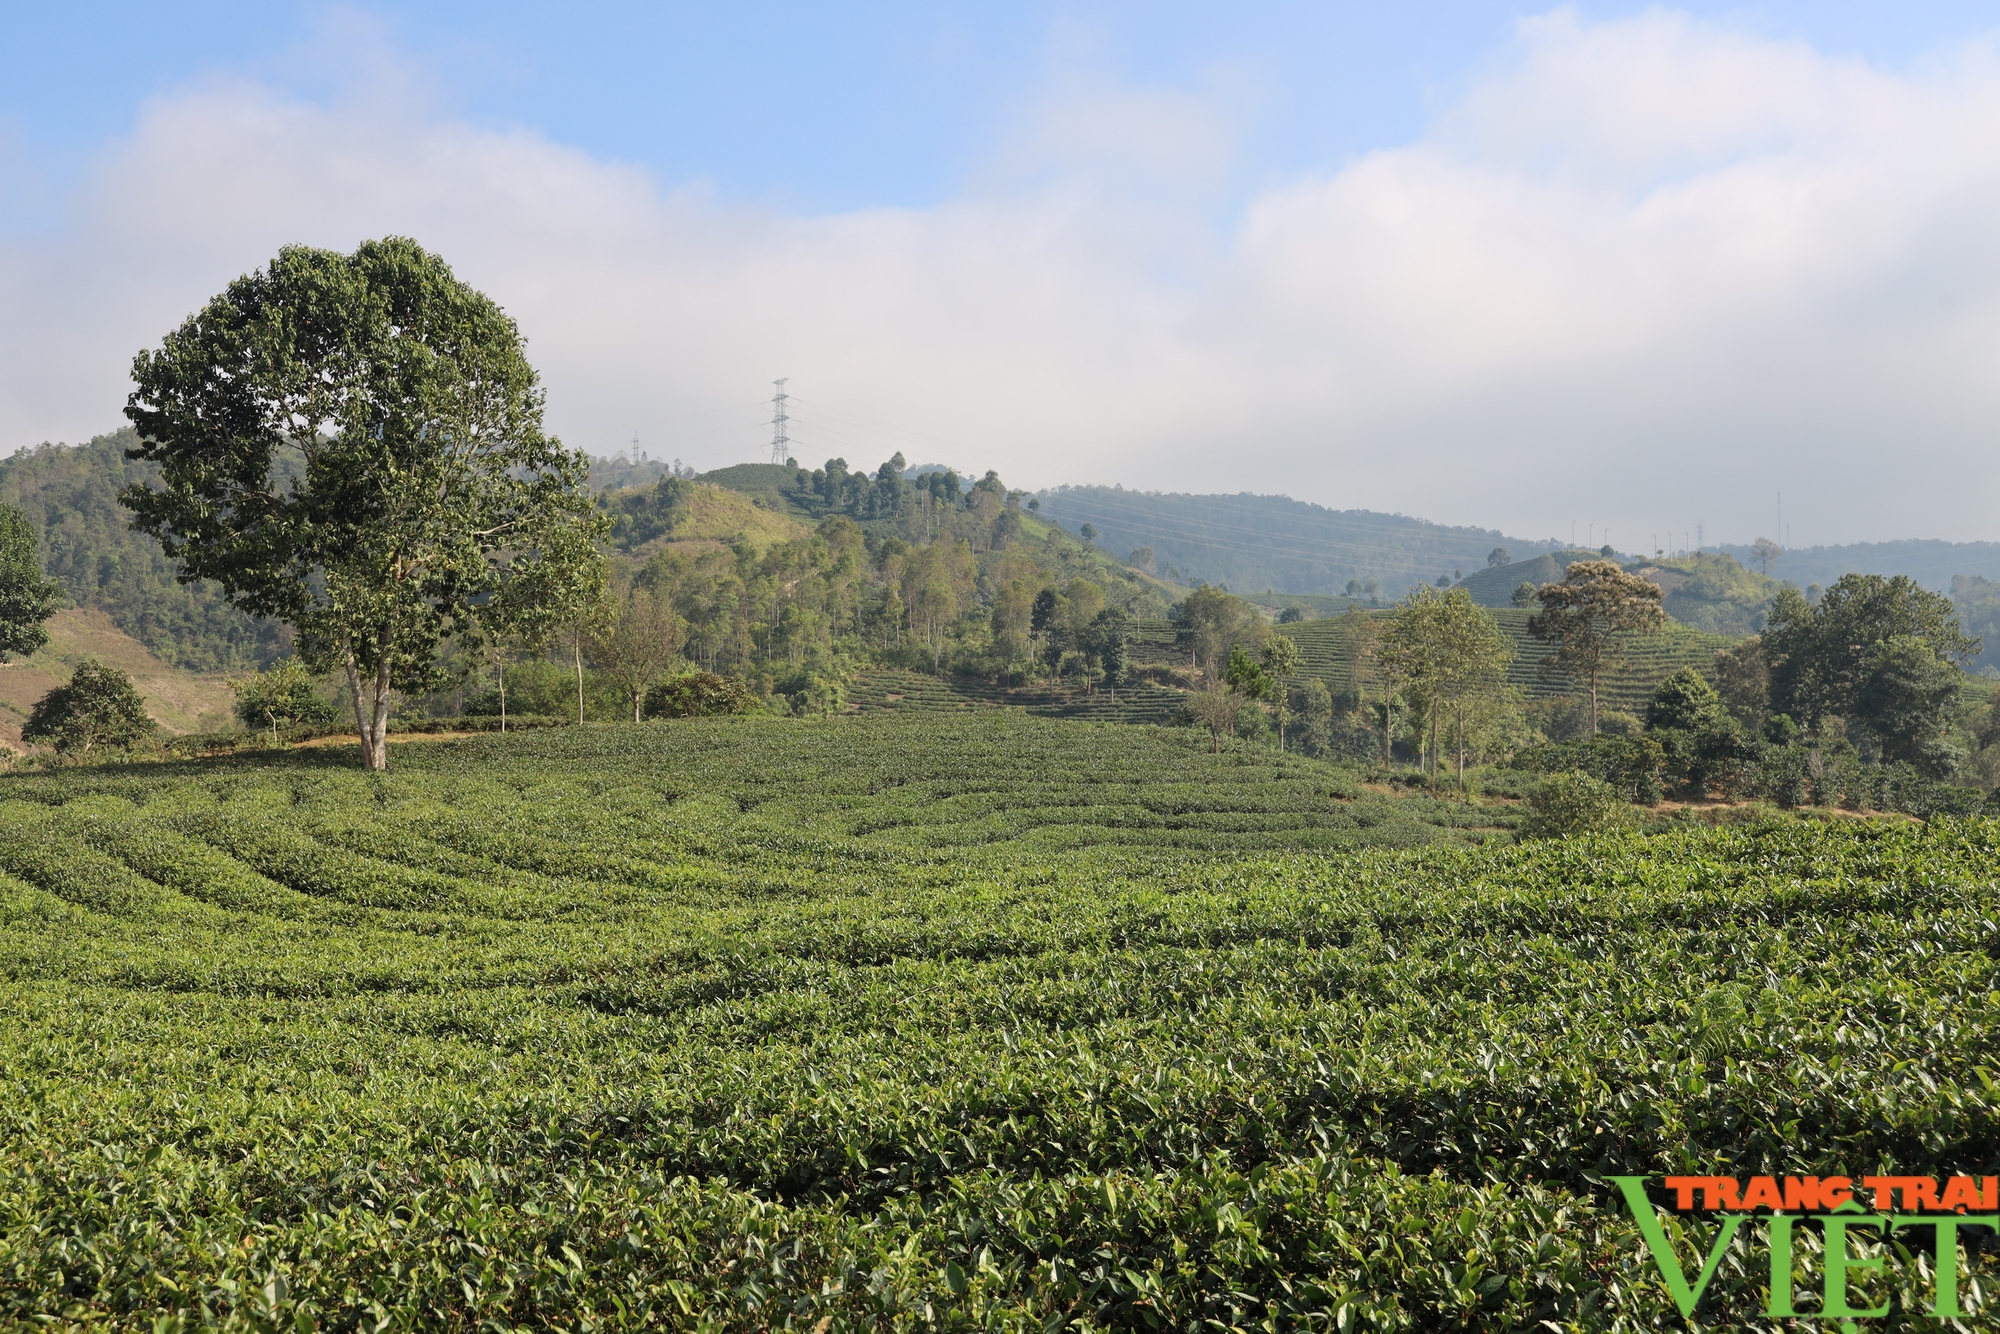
{"points": [[1929, 561], [673, 510], [1494, 586], [877, 1024], [179, 701], [1252, 543], [1707, 591], [70, 495], [1327, 647]]}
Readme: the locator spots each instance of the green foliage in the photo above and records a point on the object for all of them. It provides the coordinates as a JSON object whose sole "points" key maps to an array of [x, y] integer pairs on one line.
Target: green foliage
{"points": [[1572, 803], [1713, 591], [409, 422], [69, 495], [740, 1023], [640, 514], [1209, 623], [1877, 652], [282, 695], [27, 598], [697, 695], [1686, 701], [1977, 601], [98, 709]]}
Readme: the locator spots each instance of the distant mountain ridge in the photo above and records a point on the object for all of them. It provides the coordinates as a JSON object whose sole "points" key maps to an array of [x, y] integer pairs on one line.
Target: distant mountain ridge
{"points": [[1252, 542], [1930, 561]]}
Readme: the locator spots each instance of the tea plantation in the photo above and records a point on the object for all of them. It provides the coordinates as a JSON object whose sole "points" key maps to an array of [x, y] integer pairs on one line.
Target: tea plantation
{"points": [[968, 1022]]}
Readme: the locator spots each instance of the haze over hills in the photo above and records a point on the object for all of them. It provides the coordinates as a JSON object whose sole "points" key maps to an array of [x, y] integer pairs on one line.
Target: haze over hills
{"points": [[1251, 542], [1930, 561]]}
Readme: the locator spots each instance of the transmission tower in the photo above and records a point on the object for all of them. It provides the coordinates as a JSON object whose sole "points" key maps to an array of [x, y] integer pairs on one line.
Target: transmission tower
{"points": [[779, 440]]}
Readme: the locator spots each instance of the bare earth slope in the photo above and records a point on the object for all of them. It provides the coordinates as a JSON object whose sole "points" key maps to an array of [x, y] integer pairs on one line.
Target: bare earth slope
{"points": [[179, 701]]}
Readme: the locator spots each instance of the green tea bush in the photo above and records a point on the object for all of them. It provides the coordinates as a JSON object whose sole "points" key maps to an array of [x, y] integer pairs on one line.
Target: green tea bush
{"points": [[1572, 802], [978, 1023]]}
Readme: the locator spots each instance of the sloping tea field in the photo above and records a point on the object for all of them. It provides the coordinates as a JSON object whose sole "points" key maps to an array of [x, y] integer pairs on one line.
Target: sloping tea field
{"points": [[979, 1022]]}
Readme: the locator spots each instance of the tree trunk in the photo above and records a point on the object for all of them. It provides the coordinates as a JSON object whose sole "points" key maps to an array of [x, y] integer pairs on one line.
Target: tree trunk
{"points": [[377, 740], [503, 696], [636, 696], [371, 722], [1388, 747], [1461, 748], [579, 680], [1434, 743], [1593, 702]]}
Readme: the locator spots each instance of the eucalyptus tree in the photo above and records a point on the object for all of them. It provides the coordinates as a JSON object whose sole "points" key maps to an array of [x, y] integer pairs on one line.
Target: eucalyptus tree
{"points": [[1448, 650], [1583, 615], [353, 444]]}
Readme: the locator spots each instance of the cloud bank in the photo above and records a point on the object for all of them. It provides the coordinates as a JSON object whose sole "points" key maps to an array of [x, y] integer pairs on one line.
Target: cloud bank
{"points": [[1637, 275]]}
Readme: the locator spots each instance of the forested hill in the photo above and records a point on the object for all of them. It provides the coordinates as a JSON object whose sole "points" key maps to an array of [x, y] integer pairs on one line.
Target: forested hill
{"points": [[70, 495], [1930, 561], [1251, 543]]}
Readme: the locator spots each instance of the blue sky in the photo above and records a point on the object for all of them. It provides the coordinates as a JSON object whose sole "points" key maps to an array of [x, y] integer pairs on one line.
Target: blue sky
{"points": [[1355, 253], [833, 107]]}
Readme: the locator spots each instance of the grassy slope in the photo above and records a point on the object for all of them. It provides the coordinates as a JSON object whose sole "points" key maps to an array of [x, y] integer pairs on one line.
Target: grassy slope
{"points": [[709, 513], [179, 701], [896, 1024]]}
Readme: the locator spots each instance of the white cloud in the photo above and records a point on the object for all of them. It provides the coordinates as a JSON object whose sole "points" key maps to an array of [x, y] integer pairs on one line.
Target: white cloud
{"points": [[1639, 274]]}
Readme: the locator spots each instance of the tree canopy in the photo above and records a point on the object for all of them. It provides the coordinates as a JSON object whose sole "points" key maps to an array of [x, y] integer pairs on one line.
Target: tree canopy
{"points": [[27, 599], [98, 708], [1881, 652], [1582, 615], [353, 444]]}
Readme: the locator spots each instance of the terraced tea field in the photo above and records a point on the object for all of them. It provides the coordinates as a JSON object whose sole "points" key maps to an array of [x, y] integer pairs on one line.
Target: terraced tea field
{"points": [[980, 1022]]}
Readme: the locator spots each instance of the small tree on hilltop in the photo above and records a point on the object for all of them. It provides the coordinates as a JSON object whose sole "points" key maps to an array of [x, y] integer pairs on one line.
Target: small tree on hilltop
{"points": [[1581, 616], [351, 444], [98, 708], [26, 598], [1497, 557], [1764, 551]]}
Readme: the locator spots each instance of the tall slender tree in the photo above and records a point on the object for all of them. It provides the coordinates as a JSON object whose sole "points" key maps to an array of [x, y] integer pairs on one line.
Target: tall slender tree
{"points": [[1583, 615], [1448, 650], [351, 444]]}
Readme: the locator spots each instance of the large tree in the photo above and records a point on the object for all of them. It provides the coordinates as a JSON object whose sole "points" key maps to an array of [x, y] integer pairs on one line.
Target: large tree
{"points": [[1583, 615], [26, 598], [1448, 650], [352, 444], [1881, 652]]}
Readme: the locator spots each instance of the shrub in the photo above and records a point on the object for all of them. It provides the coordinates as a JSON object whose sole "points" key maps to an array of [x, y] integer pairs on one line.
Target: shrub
{"points": [[98, 708], [697, 695], [1573, 803]]}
